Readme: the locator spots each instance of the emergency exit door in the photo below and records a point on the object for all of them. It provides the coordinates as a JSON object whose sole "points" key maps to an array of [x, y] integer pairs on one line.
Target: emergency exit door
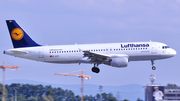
{"points": [[41, 53], [153, 48]]}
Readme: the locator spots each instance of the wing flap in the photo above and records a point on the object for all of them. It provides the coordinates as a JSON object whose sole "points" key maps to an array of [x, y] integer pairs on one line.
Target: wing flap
{"points": [[101, 57]]}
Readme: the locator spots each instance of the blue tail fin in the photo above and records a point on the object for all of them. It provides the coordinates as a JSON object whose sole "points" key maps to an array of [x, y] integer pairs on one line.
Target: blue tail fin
{"points": [[18, 36]]}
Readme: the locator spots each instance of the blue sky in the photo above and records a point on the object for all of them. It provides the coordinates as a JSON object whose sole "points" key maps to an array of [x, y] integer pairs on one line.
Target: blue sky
{"points": [[59, 22]]}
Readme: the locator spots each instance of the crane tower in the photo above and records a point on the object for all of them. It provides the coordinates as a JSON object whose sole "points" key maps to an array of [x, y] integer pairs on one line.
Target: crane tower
{"points": [[82, 76]]}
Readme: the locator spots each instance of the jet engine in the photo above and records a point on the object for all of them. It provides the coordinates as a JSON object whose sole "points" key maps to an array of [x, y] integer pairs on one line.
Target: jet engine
{"points": [[117, 62]]}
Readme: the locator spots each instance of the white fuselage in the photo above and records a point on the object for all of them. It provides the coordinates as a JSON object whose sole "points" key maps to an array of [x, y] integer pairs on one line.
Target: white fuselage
{"points": [[136, 51]]}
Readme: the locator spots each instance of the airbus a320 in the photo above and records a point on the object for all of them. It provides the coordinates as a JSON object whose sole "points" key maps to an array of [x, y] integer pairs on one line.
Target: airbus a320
{"points": [[112, 54]]}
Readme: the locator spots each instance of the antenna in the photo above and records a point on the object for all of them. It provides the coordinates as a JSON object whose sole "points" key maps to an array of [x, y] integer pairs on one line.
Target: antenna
{"points": [[152, 79]]}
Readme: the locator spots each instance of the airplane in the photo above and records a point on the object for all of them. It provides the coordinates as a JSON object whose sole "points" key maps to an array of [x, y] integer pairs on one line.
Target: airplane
{"points": [[112, 54]]}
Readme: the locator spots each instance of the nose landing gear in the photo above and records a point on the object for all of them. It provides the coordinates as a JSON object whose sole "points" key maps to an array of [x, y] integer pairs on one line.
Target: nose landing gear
{"points": [[153, 67]]}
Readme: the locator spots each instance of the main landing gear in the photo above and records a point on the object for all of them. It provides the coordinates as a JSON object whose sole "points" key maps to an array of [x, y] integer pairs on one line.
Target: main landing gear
{"points": [[153, 67], [95, 69]]}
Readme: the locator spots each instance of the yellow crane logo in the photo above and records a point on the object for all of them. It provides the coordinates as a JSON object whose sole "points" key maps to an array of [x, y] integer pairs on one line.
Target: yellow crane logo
{"points": [[17, 34]]}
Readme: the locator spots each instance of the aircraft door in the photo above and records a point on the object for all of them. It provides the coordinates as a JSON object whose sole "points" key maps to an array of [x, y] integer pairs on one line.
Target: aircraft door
{"points": [[41, 53], [153, 48]]}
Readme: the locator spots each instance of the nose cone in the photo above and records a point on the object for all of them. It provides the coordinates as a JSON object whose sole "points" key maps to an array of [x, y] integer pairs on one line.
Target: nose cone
{"points": [[173, 52]]}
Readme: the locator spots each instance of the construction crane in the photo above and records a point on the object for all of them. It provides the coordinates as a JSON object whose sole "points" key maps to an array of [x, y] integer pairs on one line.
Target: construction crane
{"points": [[4, 67], [82, 76]]}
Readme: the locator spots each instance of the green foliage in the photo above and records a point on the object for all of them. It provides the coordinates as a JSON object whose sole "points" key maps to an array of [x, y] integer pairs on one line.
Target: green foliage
{"points": [[139, 99], [28, 92], [171, 85], [1, 92], [125, 100], [105, 97]]}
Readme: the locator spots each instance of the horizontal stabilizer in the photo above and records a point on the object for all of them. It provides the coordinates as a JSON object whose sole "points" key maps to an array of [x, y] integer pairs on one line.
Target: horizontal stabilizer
{"points": [[18, 51]]}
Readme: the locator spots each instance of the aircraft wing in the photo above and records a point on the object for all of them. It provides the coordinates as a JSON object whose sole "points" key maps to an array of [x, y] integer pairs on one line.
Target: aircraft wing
{"points": [[96, 56], [101, 57]]}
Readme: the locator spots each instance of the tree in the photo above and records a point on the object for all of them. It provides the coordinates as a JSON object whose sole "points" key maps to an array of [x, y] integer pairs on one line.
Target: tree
{"points": [[98, 96], [44, 98], [77, 98], [21, 97], [1, 92], [171, 85], [112, 99], [50, 98], [31, 99], [125, 100], [29, 92], [139, 99]]}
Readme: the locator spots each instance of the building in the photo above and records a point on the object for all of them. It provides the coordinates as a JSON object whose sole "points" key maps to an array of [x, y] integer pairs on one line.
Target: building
{"points": [[170, 93], [149, 90]]}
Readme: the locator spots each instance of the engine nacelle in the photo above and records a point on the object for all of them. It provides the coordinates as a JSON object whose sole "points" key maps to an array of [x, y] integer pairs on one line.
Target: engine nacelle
{"points": [[119, 61]]}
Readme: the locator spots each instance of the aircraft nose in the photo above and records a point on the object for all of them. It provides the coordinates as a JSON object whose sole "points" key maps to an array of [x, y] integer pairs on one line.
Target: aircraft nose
{"points": [[173, 52]]}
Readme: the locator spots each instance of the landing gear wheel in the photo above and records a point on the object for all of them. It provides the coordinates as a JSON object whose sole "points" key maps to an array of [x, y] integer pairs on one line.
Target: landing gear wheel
{"points": [[153, 68], [95, 70]]}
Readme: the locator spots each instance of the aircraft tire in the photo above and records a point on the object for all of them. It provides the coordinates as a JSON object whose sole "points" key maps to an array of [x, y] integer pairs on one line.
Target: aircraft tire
{"points": [[153, 68], [95, 70]]}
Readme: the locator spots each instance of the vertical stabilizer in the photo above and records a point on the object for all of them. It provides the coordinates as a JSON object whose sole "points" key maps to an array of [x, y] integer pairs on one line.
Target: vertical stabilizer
{"points": [[18, 36]]}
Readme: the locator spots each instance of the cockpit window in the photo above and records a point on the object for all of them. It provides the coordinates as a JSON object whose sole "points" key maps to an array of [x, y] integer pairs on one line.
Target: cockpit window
{"points": [[165, 47]]}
